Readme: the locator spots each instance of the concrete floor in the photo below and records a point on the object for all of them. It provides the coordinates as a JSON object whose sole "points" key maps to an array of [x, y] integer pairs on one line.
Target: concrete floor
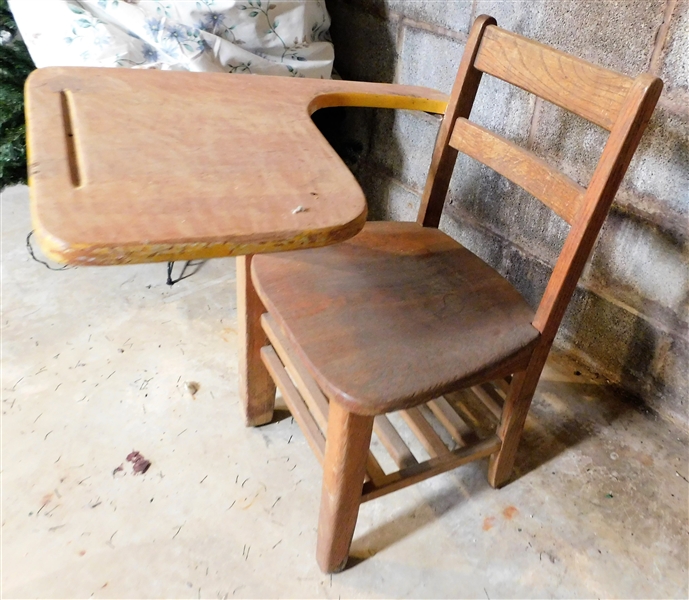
{"points": [[95, 362]]}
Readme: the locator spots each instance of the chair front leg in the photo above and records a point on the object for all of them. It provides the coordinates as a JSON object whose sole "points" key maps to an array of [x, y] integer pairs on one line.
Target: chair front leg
{"points": [[256, 388], [344, 468]]}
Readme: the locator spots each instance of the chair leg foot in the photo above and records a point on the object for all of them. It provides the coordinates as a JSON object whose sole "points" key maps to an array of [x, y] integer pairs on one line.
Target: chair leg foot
{"points": [[339, 568], [256, 387], [511, 427], [498, 473], [344, 468]]}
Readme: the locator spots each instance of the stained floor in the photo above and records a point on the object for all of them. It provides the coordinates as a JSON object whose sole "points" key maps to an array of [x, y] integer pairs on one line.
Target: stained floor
{"points": [[100, 362]]}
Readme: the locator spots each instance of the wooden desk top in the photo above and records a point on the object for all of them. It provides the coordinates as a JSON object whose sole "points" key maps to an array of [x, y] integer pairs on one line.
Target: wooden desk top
{"points": [[133, 166]]}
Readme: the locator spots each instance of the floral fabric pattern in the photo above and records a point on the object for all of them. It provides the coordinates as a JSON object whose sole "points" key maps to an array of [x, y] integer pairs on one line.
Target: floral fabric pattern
{"points": [[272, 37]]}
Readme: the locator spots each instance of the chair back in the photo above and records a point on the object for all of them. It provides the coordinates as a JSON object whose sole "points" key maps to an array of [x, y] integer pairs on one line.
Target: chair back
{"points": [[620, 104]]}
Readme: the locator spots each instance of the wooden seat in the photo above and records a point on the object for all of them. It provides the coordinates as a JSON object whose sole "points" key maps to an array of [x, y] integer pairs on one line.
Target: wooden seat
{"points": [[401, 314], [395, 316]]}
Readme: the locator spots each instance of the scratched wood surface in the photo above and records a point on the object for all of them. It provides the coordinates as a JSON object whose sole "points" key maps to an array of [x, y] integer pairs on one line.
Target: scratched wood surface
{"points": [[595, 93], [145, 166], [395, 316], [344, 468]]}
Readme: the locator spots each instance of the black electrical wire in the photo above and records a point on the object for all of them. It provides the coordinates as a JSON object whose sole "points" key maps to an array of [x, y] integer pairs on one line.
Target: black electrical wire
{"points": [[38, 260]]}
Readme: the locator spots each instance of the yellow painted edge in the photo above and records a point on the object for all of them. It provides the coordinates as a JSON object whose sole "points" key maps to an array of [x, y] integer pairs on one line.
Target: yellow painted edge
{"points": [[90, 255], [372, 100]]}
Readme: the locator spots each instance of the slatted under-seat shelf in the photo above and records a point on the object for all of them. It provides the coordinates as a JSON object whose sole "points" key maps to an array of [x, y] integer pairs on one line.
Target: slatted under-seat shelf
{"points": [[451, 430]]}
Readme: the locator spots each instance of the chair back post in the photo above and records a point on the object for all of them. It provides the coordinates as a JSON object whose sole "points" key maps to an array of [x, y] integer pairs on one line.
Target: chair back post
{"points": [[624, 138], [460, 104], [618, 103]]}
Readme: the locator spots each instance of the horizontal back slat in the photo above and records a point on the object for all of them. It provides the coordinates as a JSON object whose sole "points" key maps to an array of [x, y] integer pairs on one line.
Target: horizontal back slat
{"points": [[591, 92], [524, 168]]}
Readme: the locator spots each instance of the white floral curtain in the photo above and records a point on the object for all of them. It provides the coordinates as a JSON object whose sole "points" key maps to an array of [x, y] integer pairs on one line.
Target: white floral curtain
{"points": [[272, 37]]}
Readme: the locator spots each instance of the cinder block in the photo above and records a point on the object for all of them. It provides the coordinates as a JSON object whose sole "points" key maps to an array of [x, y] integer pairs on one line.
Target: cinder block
{"points": [[428, 59], [657, 181], [526, 273], [655, 189], [616, 35], [609, 335], [454, 15], [633, 351], [640, 266], [378, 8], [634, 261], [484, 244], [480, 194], [674, 65], [504, 109], [659, 172], [627, 348], [516, 15], [671, 380], [403, 143], [397, 202], [568, 142], [489, 197], [640, 248], [365, 46], [388, 200]]}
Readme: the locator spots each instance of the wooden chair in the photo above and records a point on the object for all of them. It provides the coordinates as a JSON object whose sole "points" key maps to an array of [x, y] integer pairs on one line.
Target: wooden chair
{"points": [[401, 317]]}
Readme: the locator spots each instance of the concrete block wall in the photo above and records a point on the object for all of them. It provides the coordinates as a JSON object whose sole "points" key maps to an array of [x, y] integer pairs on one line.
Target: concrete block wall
{"points": [[628, 320]]}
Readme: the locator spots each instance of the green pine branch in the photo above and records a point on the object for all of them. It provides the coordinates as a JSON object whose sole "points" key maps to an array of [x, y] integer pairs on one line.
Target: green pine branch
{"points": [[15, 66]]}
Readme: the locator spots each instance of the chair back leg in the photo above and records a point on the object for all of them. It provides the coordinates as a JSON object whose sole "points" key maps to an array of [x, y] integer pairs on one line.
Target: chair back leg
{"points": [[513, 417], [256, 387], [344, 468]]}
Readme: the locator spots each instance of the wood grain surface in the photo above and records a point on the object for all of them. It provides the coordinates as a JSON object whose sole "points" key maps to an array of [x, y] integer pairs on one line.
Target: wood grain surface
{"points": [[395, 316], [461, 100], [256, 387], [145, 166], [344, 469], [550, 186], [592, 92]]}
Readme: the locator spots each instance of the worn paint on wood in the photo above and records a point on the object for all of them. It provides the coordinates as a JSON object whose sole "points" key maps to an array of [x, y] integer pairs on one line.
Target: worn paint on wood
{"points": [[144, 166]]}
